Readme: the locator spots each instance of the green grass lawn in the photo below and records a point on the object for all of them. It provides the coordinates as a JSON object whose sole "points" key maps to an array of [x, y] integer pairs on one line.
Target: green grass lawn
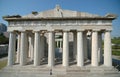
{"points": [[116, 52], [3, 63]]}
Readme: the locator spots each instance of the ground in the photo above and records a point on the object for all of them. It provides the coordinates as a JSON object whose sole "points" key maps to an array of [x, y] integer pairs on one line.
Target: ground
{"points": [[3, 62]]}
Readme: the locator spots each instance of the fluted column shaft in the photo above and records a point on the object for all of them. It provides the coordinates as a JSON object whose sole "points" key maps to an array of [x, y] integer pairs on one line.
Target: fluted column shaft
{"points": [[51, 49], [94, 48], [37, 49], [23, 49], [31, 47], [65, 48], [11, 50], [107, 49], [80, 54]]}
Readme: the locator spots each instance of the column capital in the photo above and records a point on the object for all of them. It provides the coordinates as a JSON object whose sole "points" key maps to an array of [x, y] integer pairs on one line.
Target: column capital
{"points": [[66, 30], [41, 34], [108, 30], [22, 31], [12, 32], [36, 31], [81, 30], [95, 30], [51, 31]]}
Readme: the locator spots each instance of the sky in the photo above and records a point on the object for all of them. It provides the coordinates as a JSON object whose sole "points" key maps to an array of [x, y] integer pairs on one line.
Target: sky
{"points": [[100, 7]]}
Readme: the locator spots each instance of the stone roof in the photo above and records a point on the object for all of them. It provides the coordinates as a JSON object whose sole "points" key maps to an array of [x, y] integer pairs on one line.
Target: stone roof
{"points": [[58, 13]]}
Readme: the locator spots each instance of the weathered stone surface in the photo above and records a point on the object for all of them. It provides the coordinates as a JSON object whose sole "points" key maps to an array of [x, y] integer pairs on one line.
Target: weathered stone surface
{"points": [[65, 22], [58, 12], [31, 71]]}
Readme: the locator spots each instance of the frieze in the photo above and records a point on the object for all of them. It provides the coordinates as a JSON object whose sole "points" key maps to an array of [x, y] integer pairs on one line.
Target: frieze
{"points": [[60, 23]]}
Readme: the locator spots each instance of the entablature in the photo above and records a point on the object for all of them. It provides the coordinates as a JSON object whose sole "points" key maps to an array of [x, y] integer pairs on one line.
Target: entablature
{"points": [[60, 23], [53, 28]]}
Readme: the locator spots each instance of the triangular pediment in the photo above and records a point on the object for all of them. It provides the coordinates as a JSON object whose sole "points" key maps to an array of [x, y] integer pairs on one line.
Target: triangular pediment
{"points": [[58, 12]]}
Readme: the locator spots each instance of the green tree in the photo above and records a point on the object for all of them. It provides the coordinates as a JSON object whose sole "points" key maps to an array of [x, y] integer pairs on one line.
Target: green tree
{"points": [[116, 40], [3, 39]]}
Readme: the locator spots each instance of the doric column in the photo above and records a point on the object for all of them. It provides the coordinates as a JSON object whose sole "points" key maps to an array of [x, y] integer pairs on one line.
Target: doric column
{"points": [[65, 48], [80, 54], [100, 47], [31, 47], [94, 48], [51, 48], [23, 49], [107, 49], [85, 46], [11, 50], [37, 49], [74, 44], [18, 49]]}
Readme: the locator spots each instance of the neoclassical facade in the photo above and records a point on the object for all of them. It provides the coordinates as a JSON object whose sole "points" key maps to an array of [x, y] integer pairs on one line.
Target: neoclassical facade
{"points": [[36, 38]]}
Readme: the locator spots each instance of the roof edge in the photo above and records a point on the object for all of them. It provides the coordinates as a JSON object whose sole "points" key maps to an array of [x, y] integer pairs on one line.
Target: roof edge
{"points": [[59, 18]]}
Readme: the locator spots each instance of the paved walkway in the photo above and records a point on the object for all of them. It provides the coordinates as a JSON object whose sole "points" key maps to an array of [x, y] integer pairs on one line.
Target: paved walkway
{"points": [[4, 58], [116, 57]]}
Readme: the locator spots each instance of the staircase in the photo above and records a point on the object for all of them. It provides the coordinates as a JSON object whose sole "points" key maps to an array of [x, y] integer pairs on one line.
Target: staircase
{"points": [[59, 71]]}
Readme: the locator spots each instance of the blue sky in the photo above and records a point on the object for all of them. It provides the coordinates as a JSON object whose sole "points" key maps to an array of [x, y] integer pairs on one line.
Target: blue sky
{"points": [[100, 7]]}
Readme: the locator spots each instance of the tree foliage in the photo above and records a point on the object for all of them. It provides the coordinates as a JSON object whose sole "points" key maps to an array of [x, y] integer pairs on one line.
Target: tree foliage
{"points": [[116, 40], [3, 39], [116, 46]]}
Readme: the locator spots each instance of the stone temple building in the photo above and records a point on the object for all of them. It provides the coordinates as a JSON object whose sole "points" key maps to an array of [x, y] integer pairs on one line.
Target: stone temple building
{"points": [[60, 43]]}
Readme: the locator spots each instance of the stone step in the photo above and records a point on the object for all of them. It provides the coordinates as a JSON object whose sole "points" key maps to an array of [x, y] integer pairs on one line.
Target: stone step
{"points": [[59, 72], [62, 75]]}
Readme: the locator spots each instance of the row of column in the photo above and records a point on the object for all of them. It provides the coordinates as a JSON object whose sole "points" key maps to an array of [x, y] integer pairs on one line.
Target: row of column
{"points": [[23, 48], [58, 43], [96, 48]]}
